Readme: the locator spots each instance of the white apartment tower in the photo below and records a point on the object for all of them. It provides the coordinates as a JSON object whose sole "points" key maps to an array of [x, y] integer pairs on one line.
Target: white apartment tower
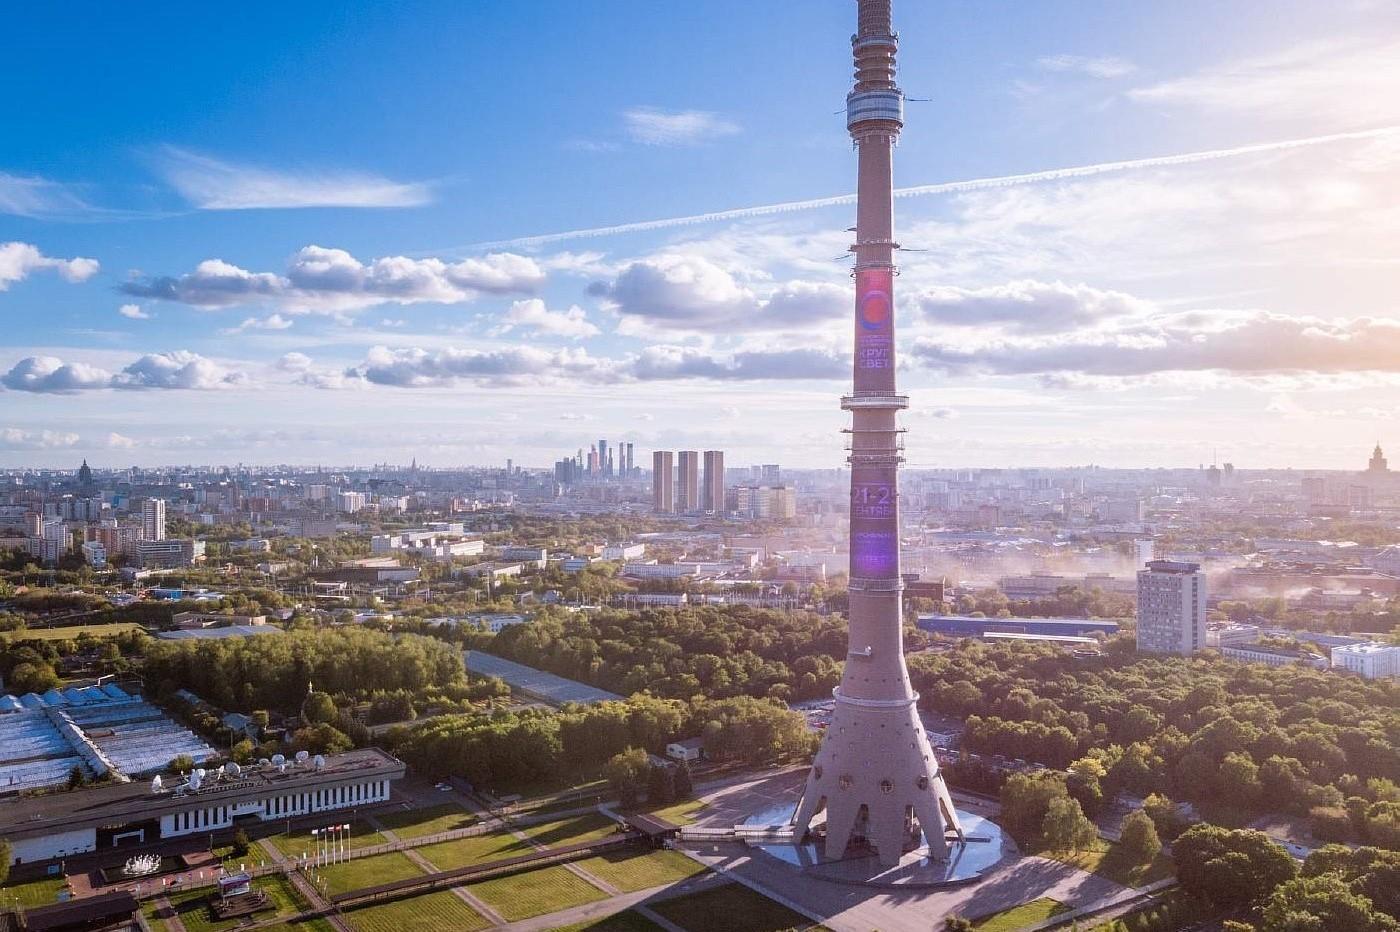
{"points": [[1171, 608], [153, 519]]}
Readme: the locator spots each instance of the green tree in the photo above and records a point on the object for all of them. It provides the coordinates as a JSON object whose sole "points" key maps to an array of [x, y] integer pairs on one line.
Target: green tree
{"points": [[5, 855], [318, 708], [1231, 868], [321, 739], [685, 785], [661, 785], [240, 843], [1138, 837], [958, 924], [1065, 827], [1323, 903], [1026, 798], [627, 772], [180, 763]]}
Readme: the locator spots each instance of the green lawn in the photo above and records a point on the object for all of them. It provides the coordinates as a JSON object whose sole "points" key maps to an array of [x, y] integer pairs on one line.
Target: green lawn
{"points": [[440, 910], [417, 823], [1172, 909], [361, 835], [536, 892], [1018, 917], [629, 921], [368, 872], [192, 906], [1107, 860], [681, 813], [630, 871], [473, 849], [306, 925], [70, 631], [40, 892], [571, 830], [732, 906]]}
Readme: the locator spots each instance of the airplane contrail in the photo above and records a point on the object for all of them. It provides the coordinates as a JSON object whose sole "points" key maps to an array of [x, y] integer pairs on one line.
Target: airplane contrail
{"points": [[946, 187]]}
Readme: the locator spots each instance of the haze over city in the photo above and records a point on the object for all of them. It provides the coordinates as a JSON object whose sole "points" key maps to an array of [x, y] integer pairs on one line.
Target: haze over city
{"points": [[333, 235]]}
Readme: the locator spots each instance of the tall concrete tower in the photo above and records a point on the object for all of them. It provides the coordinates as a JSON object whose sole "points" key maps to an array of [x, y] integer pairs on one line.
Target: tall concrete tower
{"points": [[875, 774]]}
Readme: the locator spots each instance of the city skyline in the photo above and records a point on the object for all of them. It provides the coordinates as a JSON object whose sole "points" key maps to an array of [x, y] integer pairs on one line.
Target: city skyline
{"points": [[192, 277]]}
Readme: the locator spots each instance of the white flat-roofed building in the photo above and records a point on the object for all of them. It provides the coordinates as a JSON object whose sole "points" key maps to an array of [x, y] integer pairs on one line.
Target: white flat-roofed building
{"points": [[94, 553], [126, 815], [534, 557], [1374, 661], [624, 551], [429, 543], [170, 553], [1171, 609], [1231, 635]]}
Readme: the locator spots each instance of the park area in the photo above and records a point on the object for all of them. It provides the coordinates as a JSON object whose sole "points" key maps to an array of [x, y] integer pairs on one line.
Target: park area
{"points": [[301, 841], [420, 823], [365, 872], [730, 907], [441, 910], [630, 871], [536, 892]]}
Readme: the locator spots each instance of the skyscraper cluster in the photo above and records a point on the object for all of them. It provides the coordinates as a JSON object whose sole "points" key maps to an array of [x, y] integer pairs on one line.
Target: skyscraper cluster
{"points": [[599, 461]]}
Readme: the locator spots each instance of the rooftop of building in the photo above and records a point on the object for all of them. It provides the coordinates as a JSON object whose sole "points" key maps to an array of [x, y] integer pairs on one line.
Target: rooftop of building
{"points": [[1370, 647], [1275, 651], [116, 802], [1173, 566]]}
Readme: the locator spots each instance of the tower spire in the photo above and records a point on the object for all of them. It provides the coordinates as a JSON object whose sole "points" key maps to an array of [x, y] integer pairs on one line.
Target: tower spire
{"points": [[875, 774]]}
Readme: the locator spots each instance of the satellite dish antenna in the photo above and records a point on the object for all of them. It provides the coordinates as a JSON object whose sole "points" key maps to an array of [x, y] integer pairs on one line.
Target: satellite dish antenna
{"points": [[196, 779], [319, 762], [279, 759], [156, 784], [302, 756], [264, 762]]}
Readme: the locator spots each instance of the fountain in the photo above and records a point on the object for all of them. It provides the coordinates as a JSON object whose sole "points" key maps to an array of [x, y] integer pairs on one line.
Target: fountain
{"points": [[142, 865]]}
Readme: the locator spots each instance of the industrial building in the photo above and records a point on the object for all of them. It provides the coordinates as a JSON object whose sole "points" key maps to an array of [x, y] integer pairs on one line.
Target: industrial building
{"points": [[122, 815], [103, 731]]}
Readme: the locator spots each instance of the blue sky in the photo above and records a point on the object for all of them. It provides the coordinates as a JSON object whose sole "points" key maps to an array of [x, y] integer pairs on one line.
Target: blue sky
{"points": [[246, 233]]}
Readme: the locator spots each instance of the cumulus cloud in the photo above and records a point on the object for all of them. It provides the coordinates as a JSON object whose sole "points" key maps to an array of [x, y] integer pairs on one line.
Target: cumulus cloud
{"points": [[213, 184], [414, 367], [18, 260], [133, 312], [294, 362], [1026, 305], [324, 280], [653, 126], [1254, 344], [116, 441], [178, 370], [689, 292], [672, 362], [1104, 67], [532, 315], [12, 438]]}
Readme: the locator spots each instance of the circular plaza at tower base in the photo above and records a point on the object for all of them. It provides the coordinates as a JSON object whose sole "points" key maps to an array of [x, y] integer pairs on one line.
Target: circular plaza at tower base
{"points": [[984, 846]]}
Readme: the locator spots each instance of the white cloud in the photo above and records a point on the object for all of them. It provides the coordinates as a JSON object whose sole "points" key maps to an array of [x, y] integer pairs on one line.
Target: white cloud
{"points": [[294, 362], [1026, 305], [689, 292], [1235, 344], [271, 322], [532, 314], [116, 441], [1104, 67], [12, 438], [419, 368], [177, 370], [653, 126], [1317, 83], [133, 312], [212, 184], [40, 198], [18, 260], [325, 280]]}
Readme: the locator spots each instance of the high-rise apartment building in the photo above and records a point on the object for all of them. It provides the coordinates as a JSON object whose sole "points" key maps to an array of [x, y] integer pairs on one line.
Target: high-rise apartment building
{"points": [[687, 481], [663, 475], [631, 464], [712, 490], [153, 519], [772, 474], [1171, 608]]}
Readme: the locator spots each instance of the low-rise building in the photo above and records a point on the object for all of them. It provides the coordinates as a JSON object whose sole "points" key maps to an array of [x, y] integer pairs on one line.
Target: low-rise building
{"points": [[1231, 635], [170, 553], [1373, 661], [1274, 656]]}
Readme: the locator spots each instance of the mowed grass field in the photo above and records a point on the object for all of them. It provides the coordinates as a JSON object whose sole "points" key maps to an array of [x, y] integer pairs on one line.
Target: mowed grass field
{"points": [[301, 841], [571, 830], [368, 872], [630, 871], [537, 892], [681, 813], [730, 907], [1018, 917], [40, 892], [419, 823], [68, 632], [440, 910], [473, 849]]}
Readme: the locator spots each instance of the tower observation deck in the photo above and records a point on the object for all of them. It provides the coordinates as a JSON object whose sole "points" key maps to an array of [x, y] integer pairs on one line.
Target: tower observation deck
{"points": [[875, 776]]}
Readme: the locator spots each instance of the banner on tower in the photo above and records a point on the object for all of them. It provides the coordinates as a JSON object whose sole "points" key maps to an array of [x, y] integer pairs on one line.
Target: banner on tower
{"points": [[874, 329]]}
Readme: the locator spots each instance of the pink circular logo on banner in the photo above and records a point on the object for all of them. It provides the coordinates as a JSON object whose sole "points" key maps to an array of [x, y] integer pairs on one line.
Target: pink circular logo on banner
{"points": [[874, 309]]}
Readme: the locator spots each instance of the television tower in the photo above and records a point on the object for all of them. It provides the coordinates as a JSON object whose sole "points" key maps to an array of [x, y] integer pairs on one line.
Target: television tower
{"points": [[875, 773]]}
